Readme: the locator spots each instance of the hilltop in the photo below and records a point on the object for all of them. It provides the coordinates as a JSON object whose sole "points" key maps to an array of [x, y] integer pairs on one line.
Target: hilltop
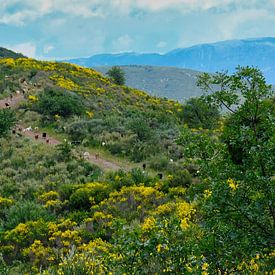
{"points": [[212, 57], [170, 82], [5, 53]]}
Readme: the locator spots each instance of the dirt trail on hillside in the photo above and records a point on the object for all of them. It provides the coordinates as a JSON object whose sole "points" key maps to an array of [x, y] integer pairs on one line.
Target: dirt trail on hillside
{"points": [[16, 99], [34, 134]]}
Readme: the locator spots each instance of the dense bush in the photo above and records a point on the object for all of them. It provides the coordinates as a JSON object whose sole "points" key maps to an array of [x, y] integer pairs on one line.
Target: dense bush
{"points": [[7, 120], [197, 113], [57, 102]]}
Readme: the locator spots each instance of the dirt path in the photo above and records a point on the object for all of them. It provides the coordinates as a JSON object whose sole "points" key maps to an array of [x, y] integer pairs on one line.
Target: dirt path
{"points": [[34, 134], [16, 99], [104, 164]]}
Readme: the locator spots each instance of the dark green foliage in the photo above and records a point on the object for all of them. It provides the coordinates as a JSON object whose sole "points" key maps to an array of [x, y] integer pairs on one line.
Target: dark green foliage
{"points": [[141, 129], [237, 169], [89, 194], [56, 102], [117, 74], [25, 211], [5, 53], [197, 113], [7, 121]]}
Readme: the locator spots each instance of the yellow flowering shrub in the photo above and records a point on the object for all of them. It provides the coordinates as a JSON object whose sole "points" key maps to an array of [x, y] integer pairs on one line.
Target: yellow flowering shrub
{"points": [[64, 234], [132, 201], [6, 202], [148, 224], [63, 82], [88, 259], [32, 98], [39, 255]]}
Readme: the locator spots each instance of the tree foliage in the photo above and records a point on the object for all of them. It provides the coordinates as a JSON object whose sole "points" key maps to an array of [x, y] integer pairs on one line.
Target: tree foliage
{"points": [[197, 113], [54, 102], [237, 168], [7, 120], [117, 74]]}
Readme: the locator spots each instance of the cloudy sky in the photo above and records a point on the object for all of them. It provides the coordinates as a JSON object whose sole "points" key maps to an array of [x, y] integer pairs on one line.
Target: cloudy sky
{"points": [[56, 29]]}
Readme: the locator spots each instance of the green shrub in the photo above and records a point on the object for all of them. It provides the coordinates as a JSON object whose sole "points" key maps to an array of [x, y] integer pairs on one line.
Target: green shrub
{"points": [[24, 211], [89, 194], [57, 102], [197, 113], [7, 120]]}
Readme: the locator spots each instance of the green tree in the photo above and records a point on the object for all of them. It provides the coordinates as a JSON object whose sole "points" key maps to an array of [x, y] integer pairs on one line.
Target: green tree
{"points": [[237, 169], [7, 121], [117, 74], [198, 113]]}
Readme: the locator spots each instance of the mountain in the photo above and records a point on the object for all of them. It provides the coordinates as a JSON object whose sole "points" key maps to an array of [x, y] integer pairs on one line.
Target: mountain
{"points": [[5, 53], [170, 82], [225, 55]]}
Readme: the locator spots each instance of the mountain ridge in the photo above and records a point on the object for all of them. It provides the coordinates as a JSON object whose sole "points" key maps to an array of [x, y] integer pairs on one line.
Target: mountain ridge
{"points": [[210, 57]]}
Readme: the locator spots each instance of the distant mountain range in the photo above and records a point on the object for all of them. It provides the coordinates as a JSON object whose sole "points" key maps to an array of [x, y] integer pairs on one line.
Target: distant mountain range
{"points": [[225, 55], [167, 82]]}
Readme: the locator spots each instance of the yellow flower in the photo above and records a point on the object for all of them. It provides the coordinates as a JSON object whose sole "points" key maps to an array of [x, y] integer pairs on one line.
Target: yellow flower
{"points": [[32, 98], [148, 224], [207, 193], [90, 114], [57, 116], [170, 177], [232, 184], [5, 202], [205, 266], [159, 247], [184, 224]]}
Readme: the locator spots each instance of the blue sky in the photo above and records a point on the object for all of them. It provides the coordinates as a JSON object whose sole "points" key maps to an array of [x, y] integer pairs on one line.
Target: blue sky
{"points": [[57, 29]]}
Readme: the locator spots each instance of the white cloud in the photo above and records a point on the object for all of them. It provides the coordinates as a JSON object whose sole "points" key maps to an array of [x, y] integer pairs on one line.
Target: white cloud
{"points": [[47, 49], [31, 10], [161, 44], [28, 49], [195, 5], [123, 43], [229, 25]]}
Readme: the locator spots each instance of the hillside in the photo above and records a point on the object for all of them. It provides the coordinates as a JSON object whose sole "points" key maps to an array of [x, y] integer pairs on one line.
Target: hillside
{"points": [[180, 180], [108, 113], [213, 57], [174, 83], [5, 53]]}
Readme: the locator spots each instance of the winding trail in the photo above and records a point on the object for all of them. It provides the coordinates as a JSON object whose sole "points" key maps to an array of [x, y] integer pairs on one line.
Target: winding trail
{"points": [[35, 135]]}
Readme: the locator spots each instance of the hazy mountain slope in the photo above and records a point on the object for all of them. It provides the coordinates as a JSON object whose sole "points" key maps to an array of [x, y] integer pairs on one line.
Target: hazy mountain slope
{"points": [[167, 82], [5, 53], [213, 57]]}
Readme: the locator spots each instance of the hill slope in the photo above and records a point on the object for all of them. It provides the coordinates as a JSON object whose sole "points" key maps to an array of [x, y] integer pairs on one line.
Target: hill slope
{"points": [[167, 82], [92, 110], [213, 57], [5, 53]]}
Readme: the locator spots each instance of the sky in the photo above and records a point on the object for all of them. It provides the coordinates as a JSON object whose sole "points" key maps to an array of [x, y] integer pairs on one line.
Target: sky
{"points": [[62, 29]]}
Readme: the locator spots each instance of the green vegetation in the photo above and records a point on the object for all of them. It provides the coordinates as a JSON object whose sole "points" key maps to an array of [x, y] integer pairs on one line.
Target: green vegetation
{"points": [[117, 75], [7, 120], [203, 202], [58, 103], [197, 113]]}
